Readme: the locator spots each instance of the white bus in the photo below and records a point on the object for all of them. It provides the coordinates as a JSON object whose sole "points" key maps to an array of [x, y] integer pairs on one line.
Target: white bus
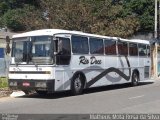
{"points": [[52, 60]]}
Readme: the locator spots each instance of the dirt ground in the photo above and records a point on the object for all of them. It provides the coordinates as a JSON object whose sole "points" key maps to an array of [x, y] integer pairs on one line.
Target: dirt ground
{"points": [[5, 92]]}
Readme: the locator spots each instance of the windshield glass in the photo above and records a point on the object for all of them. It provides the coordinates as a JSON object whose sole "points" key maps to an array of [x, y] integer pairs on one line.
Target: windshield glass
{"points": [[32, 50]]}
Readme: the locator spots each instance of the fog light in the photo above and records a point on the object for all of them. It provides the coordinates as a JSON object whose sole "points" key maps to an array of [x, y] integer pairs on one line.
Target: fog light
{"points": [[40, 84], [13, 84]]}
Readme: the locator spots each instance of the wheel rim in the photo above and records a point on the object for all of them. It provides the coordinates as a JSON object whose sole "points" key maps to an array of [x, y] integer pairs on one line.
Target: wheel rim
{"points": [[77, 84], [135, 78]]}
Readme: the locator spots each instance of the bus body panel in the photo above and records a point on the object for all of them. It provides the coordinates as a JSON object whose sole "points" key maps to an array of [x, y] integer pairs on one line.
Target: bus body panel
{"points": [[62, 78], [30, 72]]}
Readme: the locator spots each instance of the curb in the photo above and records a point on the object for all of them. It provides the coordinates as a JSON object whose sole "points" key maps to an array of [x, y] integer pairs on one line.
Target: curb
{"points": [[17, 94]]}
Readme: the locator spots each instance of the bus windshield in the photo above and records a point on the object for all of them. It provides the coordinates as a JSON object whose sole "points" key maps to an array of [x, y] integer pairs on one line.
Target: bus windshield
{"points": [[32, 50]]}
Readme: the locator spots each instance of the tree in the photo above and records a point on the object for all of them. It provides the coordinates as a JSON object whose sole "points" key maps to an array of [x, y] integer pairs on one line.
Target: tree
{"points": [[11, 20], [32, 18], [143, 10], [121, 18], [68, 14], [99, 17]]}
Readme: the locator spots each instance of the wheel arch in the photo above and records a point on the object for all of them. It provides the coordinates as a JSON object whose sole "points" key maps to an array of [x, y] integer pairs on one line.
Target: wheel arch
{"points": [[137, 72], [82, 75]]}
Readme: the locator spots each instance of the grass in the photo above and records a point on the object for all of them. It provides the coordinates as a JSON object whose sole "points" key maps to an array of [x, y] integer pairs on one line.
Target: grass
{"points": [[3, 82]]}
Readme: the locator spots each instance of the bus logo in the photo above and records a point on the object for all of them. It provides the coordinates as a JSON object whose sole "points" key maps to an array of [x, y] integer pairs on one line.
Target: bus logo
{"points": [[93, 60]]}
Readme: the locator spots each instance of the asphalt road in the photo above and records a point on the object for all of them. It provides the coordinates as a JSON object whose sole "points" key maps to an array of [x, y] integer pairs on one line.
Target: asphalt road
{"points": [[144, 98]]}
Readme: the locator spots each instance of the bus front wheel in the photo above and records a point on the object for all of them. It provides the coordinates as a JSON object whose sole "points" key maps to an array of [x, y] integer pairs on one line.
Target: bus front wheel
{"points": [[135, 78], [77, 84]]}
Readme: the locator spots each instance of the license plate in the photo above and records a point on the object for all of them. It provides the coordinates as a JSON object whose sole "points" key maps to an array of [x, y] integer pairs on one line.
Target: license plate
{"points": [[26, 84]]}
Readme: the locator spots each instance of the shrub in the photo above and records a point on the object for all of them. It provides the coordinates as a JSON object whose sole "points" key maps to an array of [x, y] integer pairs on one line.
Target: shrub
{"points": [[3, 82]]}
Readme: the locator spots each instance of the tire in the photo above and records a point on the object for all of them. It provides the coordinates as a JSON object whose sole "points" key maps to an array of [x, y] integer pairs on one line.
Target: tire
{"points": [[41, 92], [135, 79], [77, 84]]}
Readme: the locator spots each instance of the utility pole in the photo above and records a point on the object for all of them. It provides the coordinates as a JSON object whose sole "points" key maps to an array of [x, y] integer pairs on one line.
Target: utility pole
{"points": [[154, 50], [155, 23]]}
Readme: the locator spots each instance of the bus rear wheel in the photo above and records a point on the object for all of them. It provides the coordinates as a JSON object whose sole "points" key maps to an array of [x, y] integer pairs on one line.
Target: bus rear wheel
{"points": [[77, 84], [135, 79]]}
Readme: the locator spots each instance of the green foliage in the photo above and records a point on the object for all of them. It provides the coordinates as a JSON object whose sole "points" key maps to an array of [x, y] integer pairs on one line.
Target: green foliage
{"points": [[31, 18], [123, 27], [11, 19], [143, 10], [22, 19], [3, 8], [3, 82], [120, 18]]}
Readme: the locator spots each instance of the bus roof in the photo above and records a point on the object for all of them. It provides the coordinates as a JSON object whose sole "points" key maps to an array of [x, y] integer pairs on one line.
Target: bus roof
{"points": [[51, 32], [56, 31], [136, 41]]}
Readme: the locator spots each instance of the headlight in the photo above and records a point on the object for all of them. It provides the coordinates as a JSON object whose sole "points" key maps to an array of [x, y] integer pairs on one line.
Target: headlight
{"points": [[13, 84]]}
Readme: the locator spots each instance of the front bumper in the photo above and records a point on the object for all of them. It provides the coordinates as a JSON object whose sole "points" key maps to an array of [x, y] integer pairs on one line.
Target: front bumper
{"points": [[29, 85]]}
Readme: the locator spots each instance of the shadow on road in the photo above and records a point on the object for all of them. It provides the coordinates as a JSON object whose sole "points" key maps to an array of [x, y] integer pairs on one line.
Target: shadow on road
{"points": [[64, 94]]}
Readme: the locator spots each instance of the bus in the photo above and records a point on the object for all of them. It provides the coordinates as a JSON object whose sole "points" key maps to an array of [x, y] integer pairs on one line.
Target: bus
{"points": [[53, 60]]}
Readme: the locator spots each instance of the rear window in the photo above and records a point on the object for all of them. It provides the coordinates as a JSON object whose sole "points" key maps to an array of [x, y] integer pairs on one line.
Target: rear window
{"points": [[142, 50]]}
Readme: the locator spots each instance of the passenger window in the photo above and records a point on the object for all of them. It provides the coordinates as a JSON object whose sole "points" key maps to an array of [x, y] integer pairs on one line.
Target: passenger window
{"points": [[64, 46], [80, 45], [142, 50], [133, 50], [64, 51], [122, 48], [110, 47], [96, 46]]}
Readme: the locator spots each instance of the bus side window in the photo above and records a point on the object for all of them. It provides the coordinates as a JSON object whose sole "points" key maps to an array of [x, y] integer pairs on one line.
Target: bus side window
{"points": [[133, 50], [96, 46], [80, 45], [142, 50], [110, 47], [64, 51], [122, 48]]}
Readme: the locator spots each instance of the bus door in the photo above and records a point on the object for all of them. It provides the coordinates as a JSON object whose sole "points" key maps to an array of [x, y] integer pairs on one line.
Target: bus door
{"points": [[63, 57]]}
